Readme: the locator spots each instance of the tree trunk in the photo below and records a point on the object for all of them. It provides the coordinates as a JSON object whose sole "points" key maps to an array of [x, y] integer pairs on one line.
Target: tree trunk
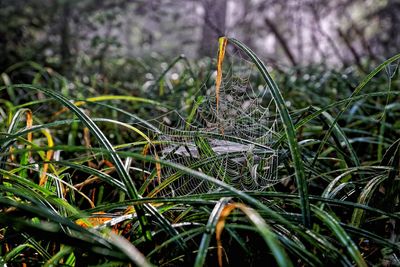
{"points": [[213, 27]]}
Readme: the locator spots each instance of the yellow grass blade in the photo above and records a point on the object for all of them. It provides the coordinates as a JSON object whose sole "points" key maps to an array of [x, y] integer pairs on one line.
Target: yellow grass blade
{"points": [[220, 226], [223, 41], [29, 123], [49, 155]]}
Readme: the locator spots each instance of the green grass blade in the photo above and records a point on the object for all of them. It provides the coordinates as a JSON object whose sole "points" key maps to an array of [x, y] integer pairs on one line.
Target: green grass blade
{"points": [[16, 251], [270, 238], [101, 138], [210, 228], [365, 196], [54, 261], [341, 136], [342, 236], [356, 91], [289, 131]]}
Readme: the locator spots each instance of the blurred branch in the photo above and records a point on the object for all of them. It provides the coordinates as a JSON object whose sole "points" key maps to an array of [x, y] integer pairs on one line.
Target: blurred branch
{"points": [[315, 12], [351, 48], [281, 39]]}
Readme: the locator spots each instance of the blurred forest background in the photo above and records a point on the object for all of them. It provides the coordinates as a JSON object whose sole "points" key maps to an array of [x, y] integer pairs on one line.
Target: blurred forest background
{"points": [[75, 37]]}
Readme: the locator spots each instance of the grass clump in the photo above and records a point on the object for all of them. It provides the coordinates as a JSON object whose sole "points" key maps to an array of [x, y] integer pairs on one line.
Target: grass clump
{"points": [[185, 173]]}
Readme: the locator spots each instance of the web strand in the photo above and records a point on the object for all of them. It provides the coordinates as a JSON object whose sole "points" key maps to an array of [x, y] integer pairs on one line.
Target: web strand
{"points": [[232, 142]]}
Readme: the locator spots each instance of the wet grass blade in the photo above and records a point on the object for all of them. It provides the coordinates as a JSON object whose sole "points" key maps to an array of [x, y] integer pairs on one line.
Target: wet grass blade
{"points": [[341, 136], [289, 131], [210, 228], [223, 41], [342, 236], [365, 196], [101, 138], [356, 92], [269, 237]]}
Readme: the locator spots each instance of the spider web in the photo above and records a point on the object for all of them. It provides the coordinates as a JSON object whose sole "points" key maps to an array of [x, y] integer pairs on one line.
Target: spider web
{"points": [[230, 141]]}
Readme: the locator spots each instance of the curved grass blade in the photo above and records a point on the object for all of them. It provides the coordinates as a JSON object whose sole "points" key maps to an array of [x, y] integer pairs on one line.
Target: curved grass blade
{"points": [[300, 250], [269, 237], [199, 175], [289, 131], [13, 124], [364, 198], [143, 122], [10, 90], [100, 174], [371, 236], [223, 41], [356, 91], [49, 155], [54, 261], [150, 209], [341, 234], [16, 252], [210, 228], [82, 236], [101, 138], [111, 97], [340, 134]]}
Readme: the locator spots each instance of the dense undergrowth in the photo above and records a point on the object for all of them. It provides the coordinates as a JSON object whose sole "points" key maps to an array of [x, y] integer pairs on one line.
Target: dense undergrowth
{"points": [[96, 170]]}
